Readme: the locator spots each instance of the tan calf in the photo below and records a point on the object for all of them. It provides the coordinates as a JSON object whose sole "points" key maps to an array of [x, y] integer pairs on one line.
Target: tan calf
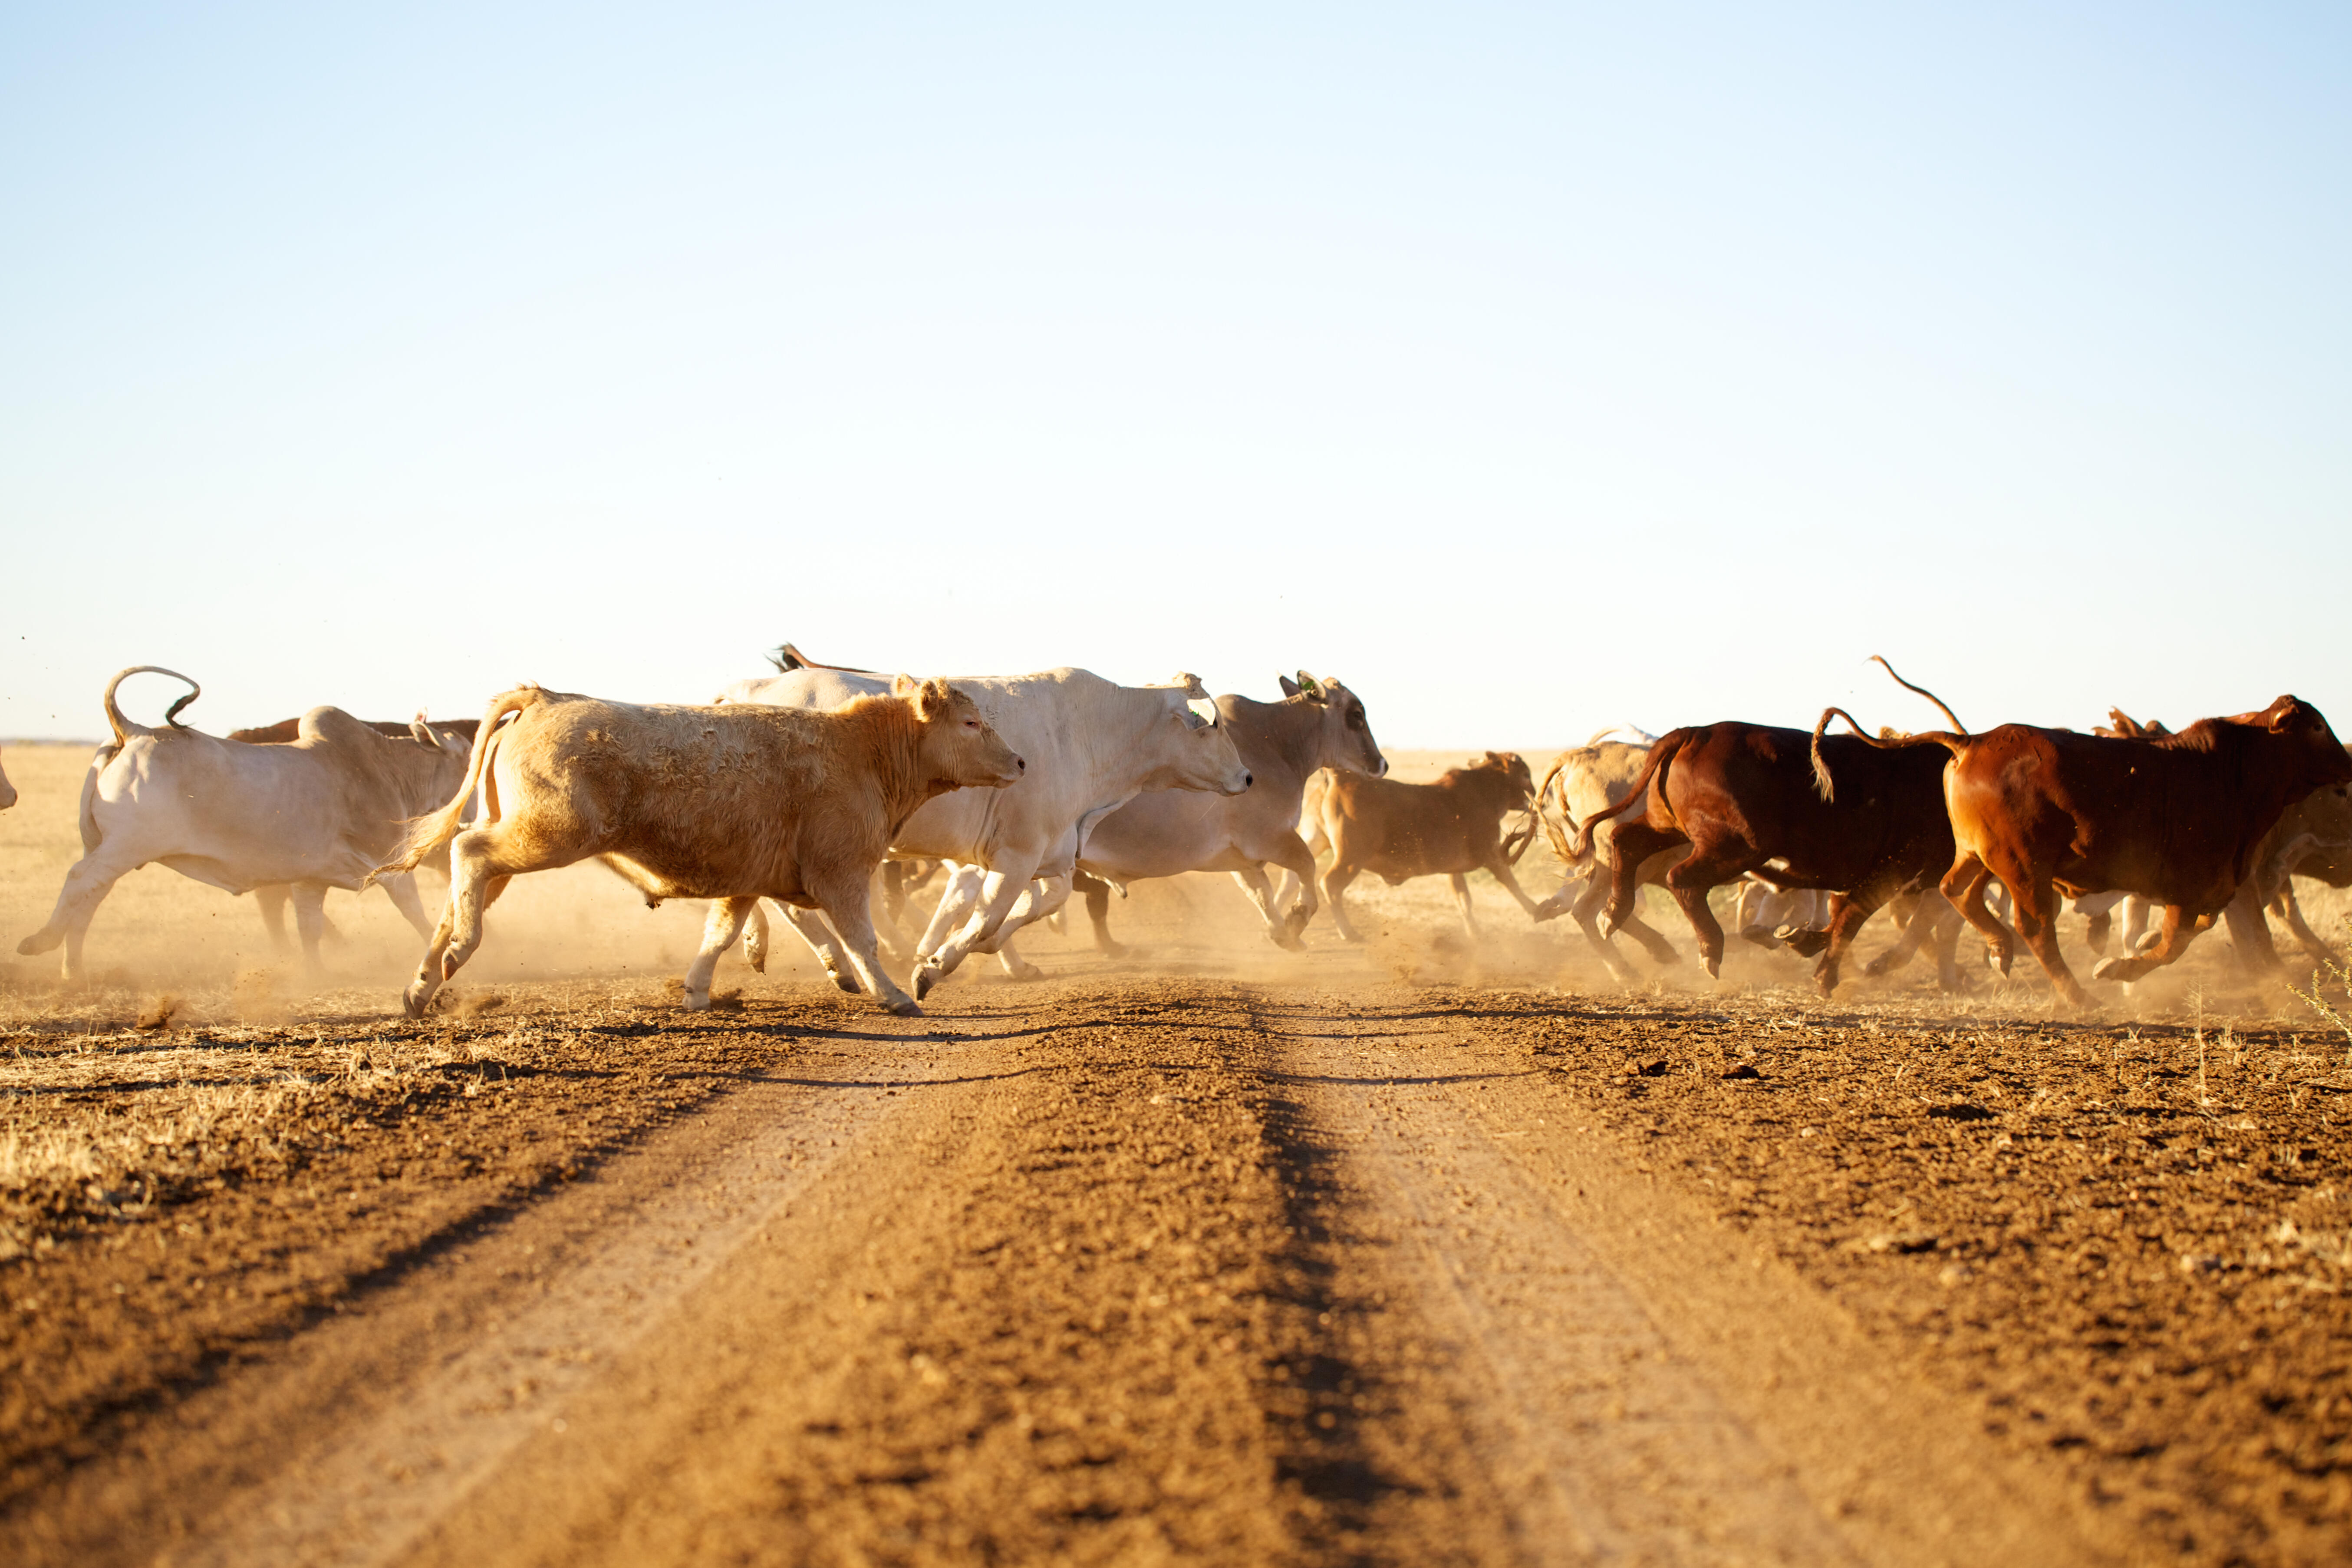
{"points": [[731, 804], [1399, 831]]}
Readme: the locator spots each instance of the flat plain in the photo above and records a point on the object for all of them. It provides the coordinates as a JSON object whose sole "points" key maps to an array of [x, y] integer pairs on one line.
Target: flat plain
{"points": [[1430, 1250]]}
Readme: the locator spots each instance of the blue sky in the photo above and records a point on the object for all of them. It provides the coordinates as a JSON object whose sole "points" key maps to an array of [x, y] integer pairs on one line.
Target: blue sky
{"points": [[1530, 368]]}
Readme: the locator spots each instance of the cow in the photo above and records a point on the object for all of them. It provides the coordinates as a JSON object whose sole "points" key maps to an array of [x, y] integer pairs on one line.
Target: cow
{"points": [[1447, 829], [2176, 818], [286, 730], [271, 900], [731, 804], [318, 812], [1091, 746], [1317, 725], [1743, 798], [1591, 778], [8, 791]]}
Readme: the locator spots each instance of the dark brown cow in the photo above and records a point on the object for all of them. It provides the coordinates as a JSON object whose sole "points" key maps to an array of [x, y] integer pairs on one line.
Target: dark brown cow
{"points": [[1746, 798], [1399, 831], [2177, 818]]}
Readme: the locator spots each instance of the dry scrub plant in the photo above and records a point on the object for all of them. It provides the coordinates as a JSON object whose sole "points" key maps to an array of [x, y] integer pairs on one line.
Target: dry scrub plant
{"points": [[2340, 972]]}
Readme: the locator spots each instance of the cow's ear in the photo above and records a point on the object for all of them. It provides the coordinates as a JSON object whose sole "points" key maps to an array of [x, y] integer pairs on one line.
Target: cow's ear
{"points": [[2289, 713], [1308, 684], [1495, 760], [904, 686], [936, 696], [1289, 686]]}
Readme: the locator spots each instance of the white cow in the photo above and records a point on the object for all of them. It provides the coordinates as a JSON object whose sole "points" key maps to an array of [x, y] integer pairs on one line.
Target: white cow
{"points": [[318, 813], [8, 791], [1091, 746]]}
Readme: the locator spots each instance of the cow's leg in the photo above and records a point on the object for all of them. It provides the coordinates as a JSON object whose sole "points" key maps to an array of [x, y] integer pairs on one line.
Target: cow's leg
{"points": [[755, 938], [957, 900], [311, 923], [1963, 887], [400, 887], [1631, 845], [1335, 883], [270, 899], [1290, 852], [1461, 886], [1098, 892], [2138, 933], [1009, 959], [2035, 904], [1586, 914], [1923, 922], [1948, 923], [721, 926], [1500, 868], [482, 861], [2315, 947], [1848, 913], [87, 883], [843, 898], [821, 941], [2249, 931], [1042, 898], [2175, 932], [1705, 868], [1000, 890]]}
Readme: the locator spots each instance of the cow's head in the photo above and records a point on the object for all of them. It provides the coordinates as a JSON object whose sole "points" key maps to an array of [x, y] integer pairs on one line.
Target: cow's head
{"points": [[1194, 751], [956, 747], [2320, 762], [1345, 734], [1512, 766]]}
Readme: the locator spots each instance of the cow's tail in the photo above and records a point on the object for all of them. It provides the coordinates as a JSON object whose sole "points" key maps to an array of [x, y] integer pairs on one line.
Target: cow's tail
{"points": [[429, 832], [1553, 830], [1827, 788], [1660, 755], [126, 728], [1947, 713]]}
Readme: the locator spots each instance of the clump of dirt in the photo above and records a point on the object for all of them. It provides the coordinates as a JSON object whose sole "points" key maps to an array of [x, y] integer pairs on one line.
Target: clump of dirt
{"points": [[157, 1014]]}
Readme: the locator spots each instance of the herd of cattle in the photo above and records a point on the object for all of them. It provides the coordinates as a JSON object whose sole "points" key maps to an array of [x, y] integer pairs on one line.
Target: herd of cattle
{"points": [[810, 788]]}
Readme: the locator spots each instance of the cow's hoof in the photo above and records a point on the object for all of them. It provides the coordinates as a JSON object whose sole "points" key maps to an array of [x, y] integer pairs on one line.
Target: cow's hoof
{"points": [[1804, 944], [695, 1001], [905, 1008], [1546, 910], [2115, 968], [1117, 950], [415, 1000], [36, 943], [844, 981], [1760, 936], [1713, 961], [757, 957], [925, 978], [1025, 970]]}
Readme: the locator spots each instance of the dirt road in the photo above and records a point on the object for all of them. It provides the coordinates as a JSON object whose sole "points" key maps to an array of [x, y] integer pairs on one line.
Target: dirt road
{"points": [[1145, 1271]]}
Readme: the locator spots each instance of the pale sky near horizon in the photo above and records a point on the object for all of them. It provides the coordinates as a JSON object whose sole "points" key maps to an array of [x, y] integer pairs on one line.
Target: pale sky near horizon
{"points": [[1531, 368]]}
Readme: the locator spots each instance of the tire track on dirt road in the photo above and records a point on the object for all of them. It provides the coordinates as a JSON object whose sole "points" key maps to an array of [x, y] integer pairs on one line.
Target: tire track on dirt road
{"points": [[1641, 1388], [375, 1423]]}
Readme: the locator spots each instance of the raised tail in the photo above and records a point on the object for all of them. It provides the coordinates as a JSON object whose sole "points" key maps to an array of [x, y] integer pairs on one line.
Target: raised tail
{"points": [[1923, 691], [429, 832], [1660, 754], [1827, 788], [1552, 830], [125, 728]]}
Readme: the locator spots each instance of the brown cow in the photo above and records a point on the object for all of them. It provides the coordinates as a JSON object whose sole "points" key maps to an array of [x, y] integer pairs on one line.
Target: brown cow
{"points": [[1401, 831], [732, 804], [2177, 818], [1747, 798]]}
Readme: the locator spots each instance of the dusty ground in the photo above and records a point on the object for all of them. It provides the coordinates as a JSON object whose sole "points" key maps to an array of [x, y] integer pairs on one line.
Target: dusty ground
{"points": [[1426, 1252]]}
